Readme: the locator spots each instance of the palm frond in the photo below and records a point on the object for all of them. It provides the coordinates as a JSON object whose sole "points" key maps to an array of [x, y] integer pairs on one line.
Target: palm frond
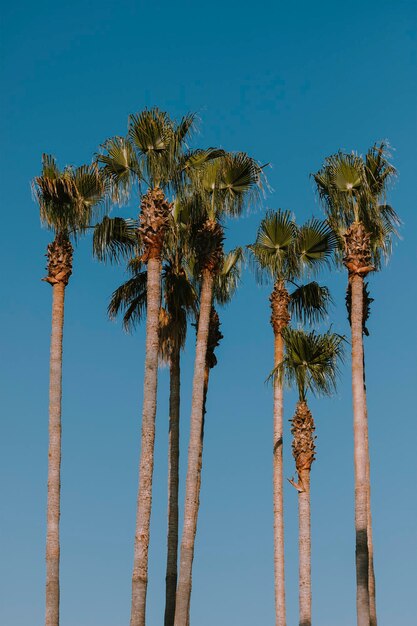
{"points": [[310, 303], [311, 361], [115, 239], [273, 252], [315, 244], [227, 279], [120, 166], [130, 299]]}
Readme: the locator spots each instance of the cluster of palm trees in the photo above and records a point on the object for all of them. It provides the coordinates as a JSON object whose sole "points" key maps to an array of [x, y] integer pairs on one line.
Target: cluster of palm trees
{"points": [[179, 274]]}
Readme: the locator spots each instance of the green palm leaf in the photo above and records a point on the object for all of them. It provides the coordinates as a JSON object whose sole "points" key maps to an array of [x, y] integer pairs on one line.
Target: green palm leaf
{"points": [[310, 303], [115, 239]]}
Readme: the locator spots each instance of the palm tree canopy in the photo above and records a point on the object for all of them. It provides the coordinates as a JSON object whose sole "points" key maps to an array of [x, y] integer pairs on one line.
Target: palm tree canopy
{"points": [[353, 189], [284, 251], [71, 198], [309, 303], [225, 185], [311, 361]]}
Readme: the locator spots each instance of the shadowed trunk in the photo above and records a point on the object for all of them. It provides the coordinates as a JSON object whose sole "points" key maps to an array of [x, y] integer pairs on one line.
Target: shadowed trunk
{"points": [[173, 469], [194, 455], [279, 320], [361, 455], [144, 501], [59, 271]]}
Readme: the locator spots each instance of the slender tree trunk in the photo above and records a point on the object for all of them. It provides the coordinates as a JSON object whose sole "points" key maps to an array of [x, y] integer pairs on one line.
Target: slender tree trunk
{"points": [[54, 457], [194, 462], [361, 455], [144, 501], [279, 319], [304, 554], [371, 571], [173, 469], [278, 489]]}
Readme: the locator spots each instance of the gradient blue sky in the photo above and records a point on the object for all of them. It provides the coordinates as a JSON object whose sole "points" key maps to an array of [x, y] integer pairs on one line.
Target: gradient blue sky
{"points": [[290, 83]]}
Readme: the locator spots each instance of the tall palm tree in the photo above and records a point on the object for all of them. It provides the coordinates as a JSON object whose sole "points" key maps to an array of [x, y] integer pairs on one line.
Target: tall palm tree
{"points": [[310, 364], [149, 156], [68, 201], [282, 252], [179, 301], [353, 190], [224, 187]]}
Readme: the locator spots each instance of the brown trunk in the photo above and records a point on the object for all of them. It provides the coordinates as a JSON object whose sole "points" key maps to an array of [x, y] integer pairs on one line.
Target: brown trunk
{"points": [[304, 548], [194, 456], [173, 469], [371, 572], [59, 271], [361, 456], [54, 458], [144, 501], [279, 319], [303, 448]]}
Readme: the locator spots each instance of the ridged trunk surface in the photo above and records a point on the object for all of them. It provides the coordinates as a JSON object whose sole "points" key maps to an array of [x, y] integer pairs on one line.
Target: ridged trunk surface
{"points": [[303, 448], [304, 549], [144, 501], [361, 455], [173, 477], [59, 271], [279, 320], [54, 458], [192, 490]]}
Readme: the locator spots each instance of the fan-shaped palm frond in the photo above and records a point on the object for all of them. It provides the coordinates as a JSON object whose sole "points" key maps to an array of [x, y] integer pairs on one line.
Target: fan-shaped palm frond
{"points": [[311, 361], [315, 244], [114, 239], [120, 166], [273, 252], [130, 299], [227, 278], [310, 303]]}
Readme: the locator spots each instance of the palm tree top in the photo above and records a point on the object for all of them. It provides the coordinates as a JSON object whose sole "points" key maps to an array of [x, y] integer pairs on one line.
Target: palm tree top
{"points": [[71, 198], [284, 251], [353, 189], [311, 361]]}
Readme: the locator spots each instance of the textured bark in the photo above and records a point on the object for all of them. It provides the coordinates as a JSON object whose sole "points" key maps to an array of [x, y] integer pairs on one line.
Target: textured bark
{"points": [[279, 319], [357, 259], [304, 549], [59, 271], [304, 449], [173, 475], [192, 491], [361, 455], [54, 458], [371, 572], [144, 501]]}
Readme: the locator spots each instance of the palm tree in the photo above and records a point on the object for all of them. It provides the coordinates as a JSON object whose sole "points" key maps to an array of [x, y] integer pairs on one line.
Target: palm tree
{"points": [[224, 187], [152, 156], [68, 201], [282, 252], [353, 190], [310, 364], [179, 302]]}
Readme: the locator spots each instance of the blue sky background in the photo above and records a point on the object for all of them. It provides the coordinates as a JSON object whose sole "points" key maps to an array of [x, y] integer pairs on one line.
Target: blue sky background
{"points": [[289, 83]]}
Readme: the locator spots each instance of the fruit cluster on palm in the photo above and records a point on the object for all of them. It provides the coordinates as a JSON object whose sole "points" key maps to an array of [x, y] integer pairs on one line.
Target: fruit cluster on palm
{"points": [[180, 274]]}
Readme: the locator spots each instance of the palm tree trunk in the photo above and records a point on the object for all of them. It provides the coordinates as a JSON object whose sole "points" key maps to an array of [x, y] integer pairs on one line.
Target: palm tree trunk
{"points": [[278, 488], [194, 453], [173, 469], [304, 554], [361, 456], [371, 571], [54, 457], [144, 501]]}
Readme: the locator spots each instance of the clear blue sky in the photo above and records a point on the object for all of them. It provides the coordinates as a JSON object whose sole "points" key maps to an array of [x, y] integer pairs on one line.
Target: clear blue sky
{"points": [[290, 83]]}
